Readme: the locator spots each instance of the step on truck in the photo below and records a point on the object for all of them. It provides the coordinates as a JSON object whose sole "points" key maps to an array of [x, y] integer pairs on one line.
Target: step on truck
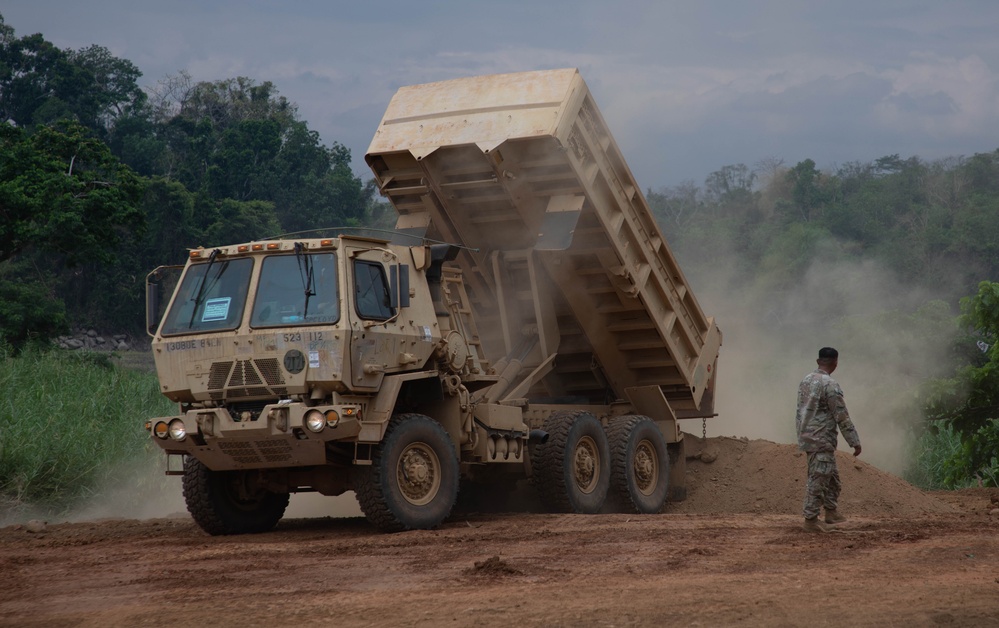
{"points": [[525, 320]]}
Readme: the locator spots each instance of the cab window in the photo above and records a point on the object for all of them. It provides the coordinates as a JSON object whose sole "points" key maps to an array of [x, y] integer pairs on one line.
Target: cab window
{"points": [[371, 291], [210, 298], [297, 289]]}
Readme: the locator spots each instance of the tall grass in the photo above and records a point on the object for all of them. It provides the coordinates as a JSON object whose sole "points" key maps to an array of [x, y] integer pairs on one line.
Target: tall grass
{"points": [[941, 461], [69, 425]]}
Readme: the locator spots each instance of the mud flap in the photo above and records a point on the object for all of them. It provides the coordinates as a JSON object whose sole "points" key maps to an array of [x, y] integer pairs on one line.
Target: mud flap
{"points": [[677, 471]]}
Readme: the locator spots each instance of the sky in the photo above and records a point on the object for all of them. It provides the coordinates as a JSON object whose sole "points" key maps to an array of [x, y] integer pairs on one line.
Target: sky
{"points": [[685, 87]]}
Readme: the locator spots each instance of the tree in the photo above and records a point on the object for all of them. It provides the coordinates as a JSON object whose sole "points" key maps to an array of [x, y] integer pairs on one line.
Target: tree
{"points": [[29, 311], [63, 191], [731, 183], [675, 206], [241, 222], [171, 228], [65, 202], [113, 85], [33, 74], [969, 401], [40, 84], [236, 139], [806, 191]]}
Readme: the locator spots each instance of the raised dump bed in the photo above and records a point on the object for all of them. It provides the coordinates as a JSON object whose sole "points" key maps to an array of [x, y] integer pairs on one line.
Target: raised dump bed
{"points": [[566, 268]]}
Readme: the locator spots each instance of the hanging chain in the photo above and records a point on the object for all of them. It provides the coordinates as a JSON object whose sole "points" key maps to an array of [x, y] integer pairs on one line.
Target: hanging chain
{"points": [[704, 428]]}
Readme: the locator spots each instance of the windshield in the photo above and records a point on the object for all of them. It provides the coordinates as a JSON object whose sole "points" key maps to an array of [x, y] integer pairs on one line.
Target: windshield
{"points": [[210, 298], [298, 289]]}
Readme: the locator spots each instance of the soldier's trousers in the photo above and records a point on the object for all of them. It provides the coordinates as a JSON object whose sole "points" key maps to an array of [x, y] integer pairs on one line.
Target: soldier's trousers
{"points": [[823, 483]]}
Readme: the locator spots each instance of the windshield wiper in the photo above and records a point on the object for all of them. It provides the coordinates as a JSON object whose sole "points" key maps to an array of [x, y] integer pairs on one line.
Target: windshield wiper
{"points": [[308, 277], [201, 287]]}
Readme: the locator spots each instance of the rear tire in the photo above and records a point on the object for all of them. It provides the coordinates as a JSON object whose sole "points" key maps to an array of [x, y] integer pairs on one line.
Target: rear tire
{"points": [[572, 469], [230, 502], [412, 482], [639, 464]]}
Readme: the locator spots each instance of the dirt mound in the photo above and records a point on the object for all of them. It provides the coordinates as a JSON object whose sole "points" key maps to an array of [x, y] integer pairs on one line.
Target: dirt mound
{"points": [[759, 476]]}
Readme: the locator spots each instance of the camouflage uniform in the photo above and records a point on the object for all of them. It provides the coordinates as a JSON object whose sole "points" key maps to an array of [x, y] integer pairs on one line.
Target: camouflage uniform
{"points": [[820, 410]]}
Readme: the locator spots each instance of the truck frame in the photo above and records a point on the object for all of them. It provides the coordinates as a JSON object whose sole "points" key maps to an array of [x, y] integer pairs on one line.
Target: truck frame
{"points": [[526, 319]]}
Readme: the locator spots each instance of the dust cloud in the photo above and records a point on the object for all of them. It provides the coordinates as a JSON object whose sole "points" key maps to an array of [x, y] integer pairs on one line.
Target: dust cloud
{"points": [[146, 492], [140, 489], [771, 340]]}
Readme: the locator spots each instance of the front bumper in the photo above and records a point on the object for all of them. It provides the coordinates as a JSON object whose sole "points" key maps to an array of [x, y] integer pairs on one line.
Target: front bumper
{"points": [[278, 438]]}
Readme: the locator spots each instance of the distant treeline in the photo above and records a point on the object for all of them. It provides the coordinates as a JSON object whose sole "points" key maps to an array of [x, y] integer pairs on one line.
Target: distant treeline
{"points": [[933, 225]]}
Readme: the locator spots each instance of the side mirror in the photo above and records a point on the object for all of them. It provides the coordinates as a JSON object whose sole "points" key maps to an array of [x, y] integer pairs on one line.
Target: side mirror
{"points": [[160, 280], [152, 307]]}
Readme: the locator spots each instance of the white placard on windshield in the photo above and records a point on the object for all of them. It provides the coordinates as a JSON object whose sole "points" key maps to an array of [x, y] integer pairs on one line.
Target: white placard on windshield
{"points": [[216, 309]]}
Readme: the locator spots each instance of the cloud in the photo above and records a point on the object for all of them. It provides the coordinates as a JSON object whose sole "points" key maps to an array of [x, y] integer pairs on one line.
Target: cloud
{"points": [[686, 87], [936, 104]]}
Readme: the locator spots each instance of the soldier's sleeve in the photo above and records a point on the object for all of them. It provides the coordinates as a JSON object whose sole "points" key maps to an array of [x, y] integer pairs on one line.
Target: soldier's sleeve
{"points": [[837, 406]]}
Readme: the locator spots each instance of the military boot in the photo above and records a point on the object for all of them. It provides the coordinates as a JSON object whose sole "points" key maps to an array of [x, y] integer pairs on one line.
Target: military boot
{"points": [[834, 517], [814, 525]]}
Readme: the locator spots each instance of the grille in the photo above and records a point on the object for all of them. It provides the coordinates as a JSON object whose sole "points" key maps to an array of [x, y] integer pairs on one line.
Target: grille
{"points": [[244, 375], [274, 450], [250, 453], [218, 375], [246, 378], [235, 393], [240, 452], [270, 370]]}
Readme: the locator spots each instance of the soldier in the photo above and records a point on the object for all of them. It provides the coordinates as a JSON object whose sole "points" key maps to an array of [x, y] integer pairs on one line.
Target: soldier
{"points": [[820, 410]]}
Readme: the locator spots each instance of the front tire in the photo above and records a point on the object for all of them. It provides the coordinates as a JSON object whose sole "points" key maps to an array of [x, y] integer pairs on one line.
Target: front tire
{"points": [[639, 464], [412, 482], [572, 469], [230, 502]]}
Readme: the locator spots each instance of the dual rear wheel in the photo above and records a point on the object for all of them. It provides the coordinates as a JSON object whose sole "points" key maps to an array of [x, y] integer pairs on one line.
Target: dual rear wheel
{"points": [[581, 464]]}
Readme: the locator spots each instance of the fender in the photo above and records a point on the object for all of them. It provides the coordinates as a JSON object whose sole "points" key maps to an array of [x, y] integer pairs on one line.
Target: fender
{"points": [[382, 407]]}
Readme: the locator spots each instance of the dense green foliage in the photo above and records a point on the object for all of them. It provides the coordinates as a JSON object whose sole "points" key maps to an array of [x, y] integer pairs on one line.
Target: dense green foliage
{"points": [[70, 422], [102, 181], [940, 461], [967, 402], [66, 203]]}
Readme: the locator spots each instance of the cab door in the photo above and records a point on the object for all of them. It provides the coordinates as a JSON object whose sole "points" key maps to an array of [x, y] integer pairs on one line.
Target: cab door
{"points": [[376, 341]]}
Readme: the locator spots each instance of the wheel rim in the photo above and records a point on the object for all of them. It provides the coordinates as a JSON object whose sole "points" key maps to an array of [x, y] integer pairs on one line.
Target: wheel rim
{"points": [[586, 464], [418, 474], [646, 467]]}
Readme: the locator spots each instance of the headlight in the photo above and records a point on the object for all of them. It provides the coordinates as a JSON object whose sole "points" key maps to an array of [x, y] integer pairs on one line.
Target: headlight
{"points": [[178, 431], [207, 424], [161, 430], [332, 418], [315, 421]]}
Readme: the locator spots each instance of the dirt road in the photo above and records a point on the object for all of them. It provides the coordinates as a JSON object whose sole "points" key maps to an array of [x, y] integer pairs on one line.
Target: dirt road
{"points": [[933, 565]]}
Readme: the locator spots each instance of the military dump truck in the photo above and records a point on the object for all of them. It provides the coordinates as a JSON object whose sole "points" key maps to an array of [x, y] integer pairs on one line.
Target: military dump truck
{"points": [[525, 320]]}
